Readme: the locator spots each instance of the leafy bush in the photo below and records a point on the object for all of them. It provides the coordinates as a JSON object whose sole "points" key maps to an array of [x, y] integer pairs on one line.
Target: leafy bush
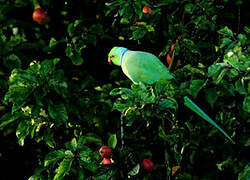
{"points": [[60, 98]]}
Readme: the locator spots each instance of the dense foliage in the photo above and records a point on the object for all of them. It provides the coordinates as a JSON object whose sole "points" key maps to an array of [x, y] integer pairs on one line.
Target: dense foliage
{"points": [[60, 101]]}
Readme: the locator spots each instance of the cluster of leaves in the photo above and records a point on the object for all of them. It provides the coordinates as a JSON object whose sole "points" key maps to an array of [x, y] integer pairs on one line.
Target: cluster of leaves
{"points": [[49, 93], [224, 85]]}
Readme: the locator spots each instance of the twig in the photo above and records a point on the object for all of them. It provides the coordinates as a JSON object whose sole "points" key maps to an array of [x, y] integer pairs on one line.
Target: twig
{"points": [[166, 155], [177, 9], [171, 62], [123, 116], [203, 9], [238, 28]]}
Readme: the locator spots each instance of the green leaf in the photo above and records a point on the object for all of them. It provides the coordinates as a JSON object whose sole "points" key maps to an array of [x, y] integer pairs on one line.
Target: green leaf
{"points": [[112, 141], [162, 133], [79, 46], [58, 82], [49, 138], [189, 44], [120, 106], [63, 169], [160, 86], [21, 85], [134, 171], [86, 161], [233, 73], [196, 86], [77, 59], [211, 95], [9, 118], [225, 42], [214, 70], [168, 103], [70, 29], [226, 32], [23, 129], [242, 38], [189, 8], [73, 55], [246, 104], [125, 92], [58, 112], [53, 157], [37, 174], [144, 93], [97, 29], [72, 145], [139, 33], [239, 86], [245, 174], [227, 89], [89, 138], [221, 76], [48, 67], [68, 153], [189, 126], [105, 173], [52, 42], [12, 61]]}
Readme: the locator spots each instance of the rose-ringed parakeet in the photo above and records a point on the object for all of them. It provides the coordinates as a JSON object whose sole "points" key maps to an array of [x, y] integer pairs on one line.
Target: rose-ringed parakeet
{"points": [[140, 66]]}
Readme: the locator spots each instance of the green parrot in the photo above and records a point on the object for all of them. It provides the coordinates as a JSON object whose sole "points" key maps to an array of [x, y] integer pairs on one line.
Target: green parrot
{"points": [[140, 66]]}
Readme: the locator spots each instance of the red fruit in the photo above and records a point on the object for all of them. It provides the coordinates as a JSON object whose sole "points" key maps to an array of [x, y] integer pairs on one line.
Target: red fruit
{"points": [[105, 151], [107, 161], [147, 165], [172, 47], [146, 9], [169, 58], [40, 16]]}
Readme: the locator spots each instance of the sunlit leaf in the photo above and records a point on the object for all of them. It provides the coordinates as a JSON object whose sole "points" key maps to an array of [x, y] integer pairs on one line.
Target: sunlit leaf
{"points": [[53, 157], [63, 169], [226, 32], [112, 141]]}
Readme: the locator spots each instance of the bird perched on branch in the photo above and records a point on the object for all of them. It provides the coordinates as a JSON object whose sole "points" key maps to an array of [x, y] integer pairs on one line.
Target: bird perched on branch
{"points": [[140, 66]]}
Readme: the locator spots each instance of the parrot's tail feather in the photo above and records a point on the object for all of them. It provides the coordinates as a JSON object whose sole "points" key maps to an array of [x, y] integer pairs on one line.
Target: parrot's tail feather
{"points": [[190, 104]]}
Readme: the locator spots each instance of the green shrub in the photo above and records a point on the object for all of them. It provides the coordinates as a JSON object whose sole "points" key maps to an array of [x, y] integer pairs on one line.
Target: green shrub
{"points": [[58, 93]]}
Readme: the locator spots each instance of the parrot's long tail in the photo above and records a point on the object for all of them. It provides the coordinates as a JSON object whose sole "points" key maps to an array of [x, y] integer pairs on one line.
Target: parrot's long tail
{"points": [[190, 104]]}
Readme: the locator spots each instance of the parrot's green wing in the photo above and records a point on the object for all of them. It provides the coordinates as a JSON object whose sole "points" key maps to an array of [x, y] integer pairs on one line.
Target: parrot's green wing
{"points": [[144, 67], [189, 103]]}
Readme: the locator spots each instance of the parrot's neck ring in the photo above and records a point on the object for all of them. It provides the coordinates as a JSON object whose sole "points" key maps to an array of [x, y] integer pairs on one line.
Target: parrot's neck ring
{"points": [[122, 53]]}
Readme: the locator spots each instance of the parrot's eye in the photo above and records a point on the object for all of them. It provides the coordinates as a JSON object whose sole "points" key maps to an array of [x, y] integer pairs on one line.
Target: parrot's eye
{"points": [[112, 56]]}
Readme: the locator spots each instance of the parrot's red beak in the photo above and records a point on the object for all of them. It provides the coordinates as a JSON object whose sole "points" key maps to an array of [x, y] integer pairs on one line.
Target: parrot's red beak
{"points": [[109, 60]]}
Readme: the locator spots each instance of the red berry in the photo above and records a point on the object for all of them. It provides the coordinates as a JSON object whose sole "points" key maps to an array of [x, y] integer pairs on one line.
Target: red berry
{"points": [[105, 151], [107, 161], [146, 9], [169, 58], [40, 16], [147, 165]]}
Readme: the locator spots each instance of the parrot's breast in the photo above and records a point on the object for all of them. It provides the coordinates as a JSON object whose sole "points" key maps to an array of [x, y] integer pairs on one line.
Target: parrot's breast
{"points": [[144, 67]]}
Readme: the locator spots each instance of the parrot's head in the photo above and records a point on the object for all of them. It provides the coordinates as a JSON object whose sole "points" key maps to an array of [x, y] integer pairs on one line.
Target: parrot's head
{"points": [[115, 55]]}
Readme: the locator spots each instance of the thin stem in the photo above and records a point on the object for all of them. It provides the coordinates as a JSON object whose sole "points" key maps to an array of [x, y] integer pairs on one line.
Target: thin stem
{"points": [[171, 62], [122, 129], [173, 13], [166, 155], [238, 28]]}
